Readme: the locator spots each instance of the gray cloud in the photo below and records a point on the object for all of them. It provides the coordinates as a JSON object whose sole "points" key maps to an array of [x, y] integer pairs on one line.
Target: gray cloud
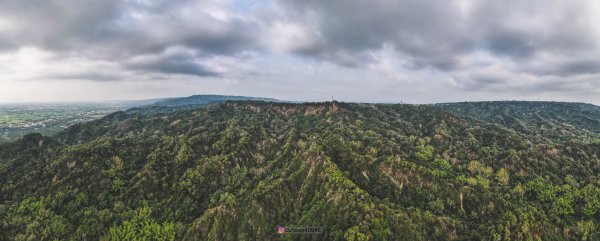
{"points": [[431, 32], [114, 30], [483, 46], [60, 24], [511, 43], [438, 33], [174, 61], [176, 66], [93, 76], [570, 68], [579, 67]]}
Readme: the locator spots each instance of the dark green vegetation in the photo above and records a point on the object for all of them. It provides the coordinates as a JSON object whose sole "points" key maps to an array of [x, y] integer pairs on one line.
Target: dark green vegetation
{"points": [[557, 121], [235, 171]]}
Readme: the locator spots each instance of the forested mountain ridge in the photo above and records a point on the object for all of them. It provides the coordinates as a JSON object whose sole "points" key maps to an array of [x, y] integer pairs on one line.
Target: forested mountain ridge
{"points": [[189, 103], [237, 170], [558, 121], [207, 99]]}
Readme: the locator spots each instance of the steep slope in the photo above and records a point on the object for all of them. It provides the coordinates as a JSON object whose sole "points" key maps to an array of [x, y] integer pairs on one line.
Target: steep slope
{"points": [[236, 171], [557, 121]]}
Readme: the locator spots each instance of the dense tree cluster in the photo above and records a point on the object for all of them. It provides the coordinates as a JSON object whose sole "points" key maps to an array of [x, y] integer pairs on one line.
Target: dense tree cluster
{"points": [[237, 170]]}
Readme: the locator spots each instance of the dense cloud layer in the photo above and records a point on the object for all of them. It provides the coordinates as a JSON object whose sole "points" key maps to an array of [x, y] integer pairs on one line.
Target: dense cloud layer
{"points": [[308, 49]]}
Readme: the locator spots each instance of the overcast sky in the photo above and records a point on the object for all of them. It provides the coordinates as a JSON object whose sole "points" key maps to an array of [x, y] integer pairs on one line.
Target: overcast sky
{"points": [[417, 51]]}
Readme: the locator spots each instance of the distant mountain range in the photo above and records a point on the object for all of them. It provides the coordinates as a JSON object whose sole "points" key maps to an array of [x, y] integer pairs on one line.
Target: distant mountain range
{"points": [[190, 102], [199, 100]]}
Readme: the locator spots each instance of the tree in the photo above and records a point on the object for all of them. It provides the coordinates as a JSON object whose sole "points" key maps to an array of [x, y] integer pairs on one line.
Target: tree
{"points": [[353, 234], [424, 153], [141, 227], [502, 176]]}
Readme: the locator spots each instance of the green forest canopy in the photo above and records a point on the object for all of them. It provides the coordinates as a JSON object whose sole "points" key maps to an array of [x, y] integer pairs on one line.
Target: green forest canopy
{"points": [[237, 170]]}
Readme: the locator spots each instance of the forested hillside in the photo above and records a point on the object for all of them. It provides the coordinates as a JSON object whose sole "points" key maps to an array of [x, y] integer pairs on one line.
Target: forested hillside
{"points": [[237, 170], [557, 121]]}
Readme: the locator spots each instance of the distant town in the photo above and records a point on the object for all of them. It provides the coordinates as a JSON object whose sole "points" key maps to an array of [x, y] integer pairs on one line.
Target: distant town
{"points": [[17, 120]]}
